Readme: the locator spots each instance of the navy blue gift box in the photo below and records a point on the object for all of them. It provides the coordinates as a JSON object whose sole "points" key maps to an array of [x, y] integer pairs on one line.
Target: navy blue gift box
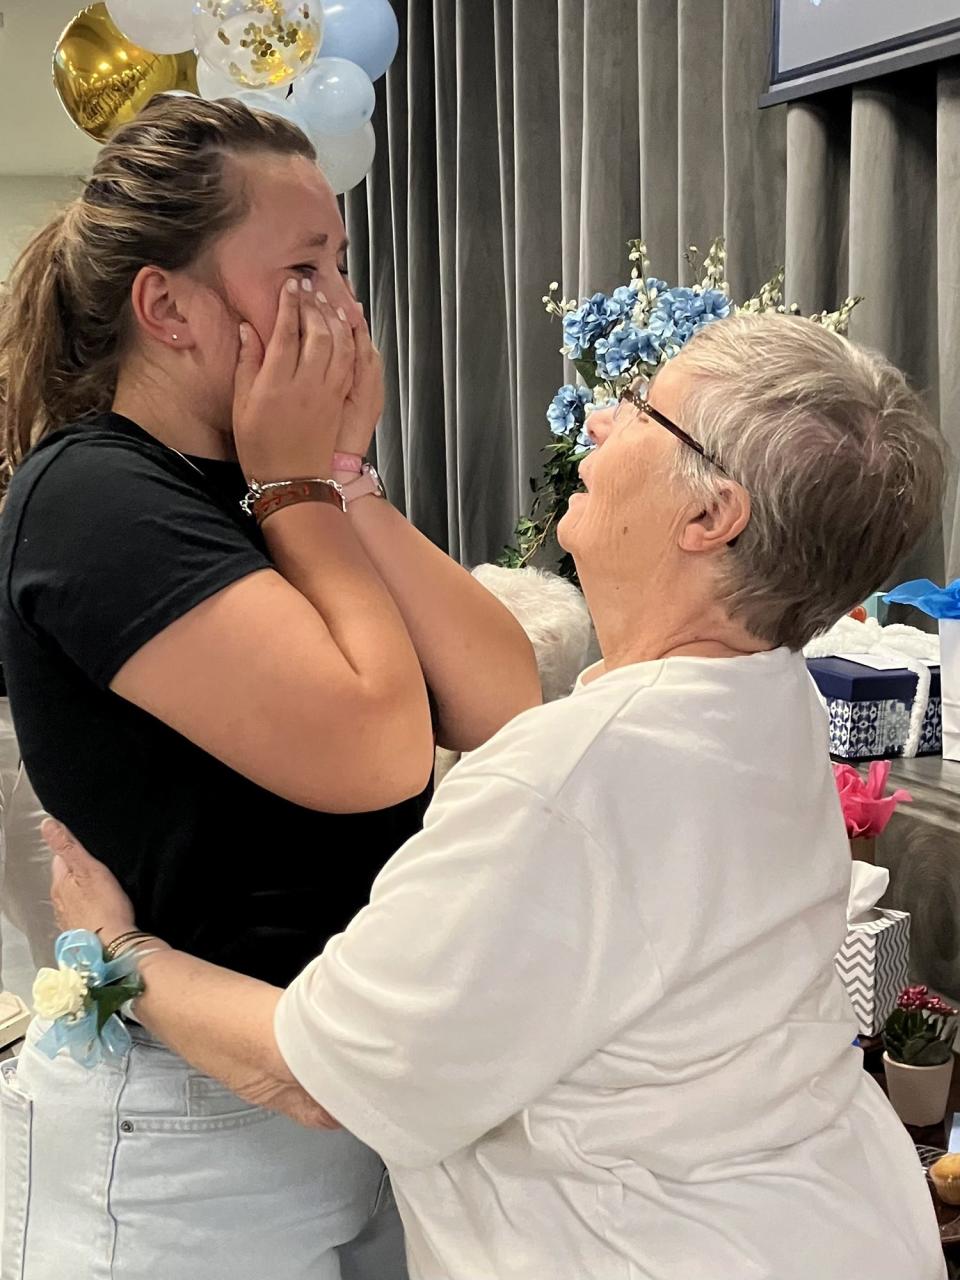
{"points": [[870, 710]]}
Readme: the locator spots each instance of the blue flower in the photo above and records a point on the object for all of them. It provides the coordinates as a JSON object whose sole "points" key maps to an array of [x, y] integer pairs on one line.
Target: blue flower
{"points": [[626, 299], [678, 313], [656, 285], [567, 412], [595, 317], [626, 347]]}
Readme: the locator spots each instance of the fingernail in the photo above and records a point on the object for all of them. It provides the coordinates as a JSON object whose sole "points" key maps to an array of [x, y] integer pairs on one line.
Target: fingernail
{"points": [[306, 285], [341, 313], [321, 297], [293, 286], [244, 335]]}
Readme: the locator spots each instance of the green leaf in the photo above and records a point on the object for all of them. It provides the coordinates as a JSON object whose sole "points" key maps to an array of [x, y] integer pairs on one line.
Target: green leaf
{"points": [[587, 370], [110, 1000], [927, 1053]]}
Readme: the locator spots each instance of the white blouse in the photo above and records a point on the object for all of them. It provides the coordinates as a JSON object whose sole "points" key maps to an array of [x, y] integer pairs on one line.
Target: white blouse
{"points": [[590, 1018]]}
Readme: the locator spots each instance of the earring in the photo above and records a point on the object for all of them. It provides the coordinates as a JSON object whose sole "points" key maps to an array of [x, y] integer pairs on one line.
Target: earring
{"points": [[174, 336]]}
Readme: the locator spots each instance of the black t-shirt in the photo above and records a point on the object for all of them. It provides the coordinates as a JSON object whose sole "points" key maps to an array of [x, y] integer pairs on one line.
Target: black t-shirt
{"points": [[106, 538]]}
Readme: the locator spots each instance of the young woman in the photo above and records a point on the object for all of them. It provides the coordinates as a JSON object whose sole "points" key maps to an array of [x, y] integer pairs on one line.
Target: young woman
{"points": [[249, 692]]}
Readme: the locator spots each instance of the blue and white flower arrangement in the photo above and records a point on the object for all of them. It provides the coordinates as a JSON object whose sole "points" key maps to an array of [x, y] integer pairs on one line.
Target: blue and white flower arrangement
{"points": [[82, 998], [611, 340]]}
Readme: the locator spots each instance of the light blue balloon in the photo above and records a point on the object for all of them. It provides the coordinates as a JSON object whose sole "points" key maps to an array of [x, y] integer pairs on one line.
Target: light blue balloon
{"points": [[335, 96], [257, 100], [362, 31]]}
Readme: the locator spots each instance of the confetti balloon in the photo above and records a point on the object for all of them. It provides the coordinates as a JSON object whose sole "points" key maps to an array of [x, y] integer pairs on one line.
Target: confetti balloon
{"points": [[213, 84], [258, 44]]}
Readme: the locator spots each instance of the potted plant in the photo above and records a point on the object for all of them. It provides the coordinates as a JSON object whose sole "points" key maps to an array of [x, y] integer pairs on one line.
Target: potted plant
{"points": [[918, 1056]]}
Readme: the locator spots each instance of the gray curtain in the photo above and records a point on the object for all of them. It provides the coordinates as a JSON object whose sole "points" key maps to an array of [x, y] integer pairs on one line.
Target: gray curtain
{"points": [[873, 183], [525, 141]]}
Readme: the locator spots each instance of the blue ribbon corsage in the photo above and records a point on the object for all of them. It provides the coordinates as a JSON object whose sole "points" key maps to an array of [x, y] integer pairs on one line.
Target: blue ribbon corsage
{"points": [[82, 998]]}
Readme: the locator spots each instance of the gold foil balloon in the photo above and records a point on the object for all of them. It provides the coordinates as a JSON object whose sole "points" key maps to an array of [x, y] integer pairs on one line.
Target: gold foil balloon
{"points": [[258, 44], [104, 80]]}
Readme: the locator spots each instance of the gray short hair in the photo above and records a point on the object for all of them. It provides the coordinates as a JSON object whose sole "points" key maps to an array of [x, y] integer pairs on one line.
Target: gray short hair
{"points": [[844, 468]]}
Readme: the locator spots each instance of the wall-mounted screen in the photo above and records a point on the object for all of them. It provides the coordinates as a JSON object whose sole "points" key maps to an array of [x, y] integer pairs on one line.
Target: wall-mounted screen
{"points": [[818, 44]]}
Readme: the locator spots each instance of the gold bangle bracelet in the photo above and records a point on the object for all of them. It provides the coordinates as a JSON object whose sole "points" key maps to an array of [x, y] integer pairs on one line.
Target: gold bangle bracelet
{"points": [[125, 941]]}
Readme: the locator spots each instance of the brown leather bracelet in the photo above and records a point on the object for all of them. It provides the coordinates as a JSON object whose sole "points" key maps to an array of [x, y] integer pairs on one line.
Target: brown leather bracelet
{"points": [[264, 500]]}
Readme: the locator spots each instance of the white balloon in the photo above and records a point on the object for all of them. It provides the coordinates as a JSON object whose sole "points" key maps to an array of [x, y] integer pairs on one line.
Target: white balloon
{"points": [[335, 96], [212, 85], [259, 101], [347, 158], [160, 26]]}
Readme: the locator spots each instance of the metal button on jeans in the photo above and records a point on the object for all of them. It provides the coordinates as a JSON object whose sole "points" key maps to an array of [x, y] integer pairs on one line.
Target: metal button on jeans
{"points": [[126, 1126]]}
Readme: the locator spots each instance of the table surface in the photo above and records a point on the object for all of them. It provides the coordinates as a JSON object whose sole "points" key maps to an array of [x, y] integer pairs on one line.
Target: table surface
{"points": [[948, 1215], [921, 850], [931, 779]]}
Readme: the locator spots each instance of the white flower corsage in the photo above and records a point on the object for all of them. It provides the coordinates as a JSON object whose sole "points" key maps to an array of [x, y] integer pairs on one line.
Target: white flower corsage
{"points": [[82, 998]]}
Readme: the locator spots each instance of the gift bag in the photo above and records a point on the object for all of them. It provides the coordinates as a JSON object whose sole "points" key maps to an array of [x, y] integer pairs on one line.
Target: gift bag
{"points": [[944, 605], [950, 686]]}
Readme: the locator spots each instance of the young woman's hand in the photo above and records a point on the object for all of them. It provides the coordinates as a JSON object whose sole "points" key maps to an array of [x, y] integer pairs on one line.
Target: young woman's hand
{"points": [[364, 403], [289, 401]]}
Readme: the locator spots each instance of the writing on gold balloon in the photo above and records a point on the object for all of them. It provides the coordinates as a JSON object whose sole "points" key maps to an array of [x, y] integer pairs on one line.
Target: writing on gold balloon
{"points": [[104, 80]]}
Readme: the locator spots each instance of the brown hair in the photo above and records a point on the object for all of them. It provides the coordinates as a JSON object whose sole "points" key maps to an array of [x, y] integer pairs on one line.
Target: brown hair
{"points": [[158, 195], [844, 468]]}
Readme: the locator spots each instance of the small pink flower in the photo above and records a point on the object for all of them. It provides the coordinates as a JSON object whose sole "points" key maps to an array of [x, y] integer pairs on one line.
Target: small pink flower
{"points": [[934, 1004]]}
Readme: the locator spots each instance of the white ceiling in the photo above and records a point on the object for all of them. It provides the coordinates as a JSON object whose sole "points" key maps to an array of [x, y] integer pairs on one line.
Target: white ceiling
{"points": [[36, 134]]}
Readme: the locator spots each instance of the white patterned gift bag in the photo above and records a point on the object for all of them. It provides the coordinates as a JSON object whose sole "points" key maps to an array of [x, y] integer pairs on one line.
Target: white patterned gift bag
{"points": [[950, 686], [944, 605]]}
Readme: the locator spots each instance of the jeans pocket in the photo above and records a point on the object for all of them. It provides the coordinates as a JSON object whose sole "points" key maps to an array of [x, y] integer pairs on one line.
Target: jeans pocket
{"points": [[16, 1139], [207, 1097]]}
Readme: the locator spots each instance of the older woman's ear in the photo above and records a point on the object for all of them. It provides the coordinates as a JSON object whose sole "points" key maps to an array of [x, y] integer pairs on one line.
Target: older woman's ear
{"points": [[718, 523]]}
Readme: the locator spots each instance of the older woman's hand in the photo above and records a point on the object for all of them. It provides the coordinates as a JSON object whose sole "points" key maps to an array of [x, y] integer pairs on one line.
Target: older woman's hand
{"points": [[243, 1054], [85, 894]]}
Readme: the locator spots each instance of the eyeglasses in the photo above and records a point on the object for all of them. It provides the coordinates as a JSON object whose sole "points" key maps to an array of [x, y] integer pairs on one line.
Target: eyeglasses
{"points": [[638, 394]]}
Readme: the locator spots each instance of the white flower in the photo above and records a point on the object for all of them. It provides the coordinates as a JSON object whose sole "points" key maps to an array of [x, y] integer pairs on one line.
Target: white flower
{"points": [[59, 992]]}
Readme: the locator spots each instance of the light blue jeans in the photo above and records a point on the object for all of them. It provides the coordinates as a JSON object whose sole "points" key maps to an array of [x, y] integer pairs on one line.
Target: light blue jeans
{"points": [[151, 1171]]}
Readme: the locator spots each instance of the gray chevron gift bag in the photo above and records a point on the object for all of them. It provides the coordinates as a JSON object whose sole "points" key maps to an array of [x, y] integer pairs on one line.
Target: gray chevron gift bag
{"points": [[872, 964]]}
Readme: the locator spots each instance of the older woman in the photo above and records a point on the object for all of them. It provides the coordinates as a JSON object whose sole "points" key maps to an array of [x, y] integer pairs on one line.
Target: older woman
{"points": [[590, 1016]]}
